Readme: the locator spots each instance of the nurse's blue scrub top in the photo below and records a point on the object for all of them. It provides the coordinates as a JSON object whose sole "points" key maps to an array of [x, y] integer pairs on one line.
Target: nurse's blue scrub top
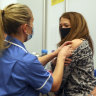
{"points": [[21, 74]]}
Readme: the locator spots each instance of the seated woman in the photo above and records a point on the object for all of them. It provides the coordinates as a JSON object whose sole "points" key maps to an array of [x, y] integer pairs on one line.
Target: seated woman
{"points": [[78, 79]]}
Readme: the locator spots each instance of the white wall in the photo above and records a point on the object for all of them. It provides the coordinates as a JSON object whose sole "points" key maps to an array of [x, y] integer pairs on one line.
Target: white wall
{"points": [[88, 9], [35, 44], [53, 15], [4, 3]]}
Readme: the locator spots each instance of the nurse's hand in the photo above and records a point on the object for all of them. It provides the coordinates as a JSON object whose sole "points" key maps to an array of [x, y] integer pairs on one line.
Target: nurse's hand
{"points": [[66, 51], [65, 44], [45, 59]]}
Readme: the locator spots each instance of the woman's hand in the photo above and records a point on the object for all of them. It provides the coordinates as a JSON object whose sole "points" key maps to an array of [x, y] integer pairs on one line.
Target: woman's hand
{"points": [[66, 63]]}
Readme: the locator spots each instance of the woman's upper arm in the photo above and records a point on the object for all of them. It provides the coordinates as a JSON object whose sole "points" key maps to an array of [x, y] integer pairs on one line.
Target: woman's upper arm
{"points": [[76, 43]]}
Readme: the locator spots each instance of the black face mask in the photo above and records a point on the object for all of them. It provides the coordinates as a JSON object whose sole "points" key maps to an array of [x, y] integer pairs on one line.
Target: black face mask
{"points": [[64, 32]]}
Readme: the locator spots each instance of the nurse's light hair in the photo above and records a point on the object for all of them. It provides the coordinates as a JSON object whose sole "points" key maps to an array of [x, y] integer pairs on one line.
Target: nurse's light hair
{"points": [[11, 18]]}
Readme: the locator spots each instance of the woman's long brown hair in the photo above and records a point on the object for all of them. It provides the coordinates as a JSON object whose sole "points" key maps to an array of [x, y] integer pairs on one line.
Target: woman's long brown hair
{"points": [[79, 28]]}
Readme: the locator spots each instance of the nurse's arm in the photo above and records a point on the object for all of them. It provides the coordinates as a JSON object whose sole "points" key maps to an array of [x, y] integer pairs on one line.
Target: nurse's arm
{"points": [[45, 59], [58, 71]]}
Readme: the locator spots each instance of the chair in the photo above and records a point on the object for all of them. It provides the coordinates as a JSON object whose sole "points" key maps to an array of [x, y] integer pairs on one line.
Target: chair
{"points": [[95, 72]]}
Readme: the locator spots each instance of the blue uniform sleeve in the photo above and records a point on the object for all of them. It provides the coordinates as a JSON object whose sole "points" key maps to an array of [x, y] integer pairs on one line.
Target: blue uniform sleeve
{"points": [[37, 76]]}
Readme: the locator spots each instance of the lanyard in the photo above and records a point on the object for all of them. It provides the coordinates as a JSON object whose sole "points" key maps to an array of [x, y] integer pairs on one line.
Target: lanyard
{"points": [[16, 45]]}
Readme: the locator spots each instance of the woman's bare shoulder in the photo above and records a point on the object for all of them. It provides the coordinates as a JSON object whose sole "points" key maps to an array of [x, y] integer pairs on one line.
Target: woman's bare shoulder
{"points": [[76, 43]]}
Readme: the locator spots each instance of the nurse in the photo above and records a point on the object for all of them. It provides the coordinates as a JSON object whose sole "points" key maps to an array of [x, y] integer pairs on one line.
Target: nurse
{"points": [[21, 73]]}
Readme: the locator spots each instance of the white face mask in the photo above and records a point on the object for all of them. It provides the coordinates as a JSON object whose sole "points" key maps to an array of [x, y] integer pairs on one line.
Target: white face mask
{"points": [[30, 36]]}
